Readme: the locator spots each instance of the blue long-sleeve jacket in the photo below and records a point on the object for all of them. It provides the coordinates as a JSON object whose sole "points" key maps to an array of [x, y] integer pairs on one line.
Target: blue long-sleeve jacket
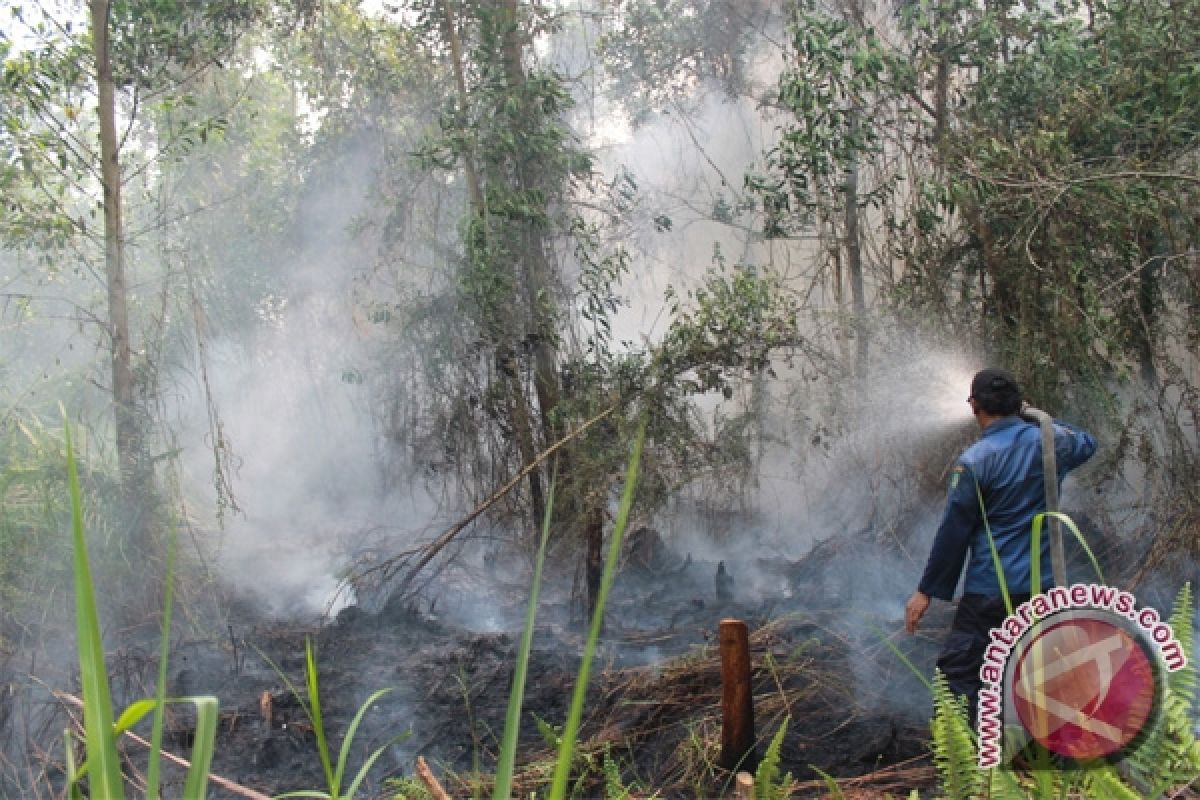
{"points": [[1006, 464]]}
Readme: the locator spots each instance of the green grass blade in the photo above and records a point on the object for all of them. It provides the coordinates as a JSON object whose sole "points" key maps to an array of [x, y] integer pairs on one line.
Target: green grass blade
{"points": [[366, 767], [348, 739], [502, 790], [566, 751], [160, 692], [133, 715], [196, 785], [69, 767], [831, 785], [996, 553], [291, 687], [104, 767], [905, 660], [314, 705], [1074, 529]]}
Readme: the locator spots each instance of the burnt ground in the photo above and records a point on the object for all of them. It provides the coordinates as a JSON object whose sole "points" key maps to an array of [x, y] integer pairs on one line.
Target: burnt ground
{"points": [[653, 706], [820, 659]]}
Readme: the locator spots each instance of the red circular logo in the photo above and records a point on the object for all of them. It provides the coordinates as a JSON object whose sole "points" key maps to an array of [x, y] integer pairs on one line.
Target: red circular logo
{"points": [[1084, 687]]}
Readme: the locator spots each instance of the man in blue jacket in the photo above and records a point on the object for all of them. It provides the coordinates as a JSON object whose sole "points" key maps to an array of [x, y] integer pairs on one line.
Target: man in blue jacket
{"points": [[1001, 473]]}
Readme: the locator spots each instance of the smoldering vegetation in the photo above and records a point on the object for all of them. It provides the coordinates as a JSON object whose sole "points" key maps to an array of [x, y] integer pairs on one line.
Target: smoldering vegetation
{"points": [[381, 260]]}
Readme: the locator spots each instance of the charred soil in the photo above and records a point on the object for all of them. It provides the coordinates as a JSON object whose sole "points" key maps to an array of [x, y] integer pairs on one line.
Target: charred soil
{"points": [[853, 710]]}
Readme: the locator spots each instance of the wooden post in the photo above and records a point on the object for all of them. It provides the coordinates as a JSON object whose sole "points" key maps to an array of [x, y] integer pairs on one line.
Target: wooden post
{"points": [[743, 788], [737, 699]]}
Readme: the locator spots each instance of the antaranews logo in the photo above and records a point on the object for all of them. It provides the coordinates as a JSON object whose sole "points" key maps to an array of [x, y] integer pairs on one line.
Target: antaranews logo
{"points": [[1078, 670]]}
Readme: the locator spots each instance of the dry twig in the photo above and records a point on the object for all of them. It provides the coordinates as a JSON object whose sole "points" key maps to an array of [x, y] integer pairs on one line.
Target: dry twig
{"points": [[430, 780], [224, 783]]}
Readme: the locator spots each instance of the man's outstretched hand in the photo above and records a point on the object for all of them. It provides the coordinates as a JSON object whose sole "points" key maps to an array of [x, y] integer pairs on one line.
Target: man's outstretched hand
{"points": [[914, 609]]}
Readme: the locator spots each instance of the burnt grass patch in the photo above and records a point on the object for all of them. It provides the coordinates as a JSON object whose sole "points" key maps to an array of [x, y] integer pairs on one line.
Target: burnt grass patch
{"points": [[855, 711]]}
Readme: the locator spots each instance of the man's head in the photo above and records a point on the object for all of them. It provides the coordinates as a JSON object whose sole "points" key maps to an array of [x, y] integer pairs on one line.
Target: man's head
{"points": [[995, 393]]}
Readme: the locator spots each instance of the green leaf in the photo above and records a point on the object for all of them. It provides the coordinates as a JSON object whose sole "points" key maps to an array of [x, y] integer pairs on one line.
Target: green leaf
{"points": [[102, 760], [133, 715], [512, 720], [344, 752], [566, 750], [314, 707], [203, 743]]}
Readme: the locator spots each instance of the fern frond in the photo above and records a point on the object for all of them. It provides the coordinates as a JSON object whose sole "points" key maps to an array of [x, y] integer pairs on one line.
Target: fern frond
{"points": [[831, 785], [1169, 754], [614, 789], [1104, 783], [1183, 681], [767, 783], [1003, 784], [953, 745]]}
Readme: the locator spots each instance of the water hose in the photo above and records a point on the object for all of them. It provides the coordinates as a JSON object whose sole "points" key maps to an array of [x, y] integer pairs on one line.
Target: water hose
{"points": [[1058, 558]]}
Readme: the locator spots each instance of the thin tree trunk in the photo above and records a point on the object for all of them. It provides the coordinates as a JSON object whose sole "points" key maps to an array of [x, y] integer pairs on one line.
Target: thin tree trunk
{"points": [[855, 266], [450, 31], [1145, 327], [594, 556], [130, 445], [506, 364], [538, 281]]}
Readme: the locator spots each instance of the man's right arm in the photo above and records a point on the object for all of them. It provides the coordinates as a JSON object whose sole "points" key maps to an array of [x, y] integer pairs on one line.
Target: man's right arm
{"points": [[1072, 446]]}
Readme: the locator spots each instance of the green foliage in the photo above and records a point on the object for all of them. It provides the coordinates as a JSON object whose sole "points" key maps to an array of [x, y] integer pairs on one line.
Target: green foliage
{"points": [[1170, 754], [1064, 172], [512, 719], [407, 789], [659, 50], [33, 500], [614, 787], [160, 695], [566, 749], [156, 42], [953, 743], [768, 783], [102, 767], [102, 760], [335, 772], [735, 323]]}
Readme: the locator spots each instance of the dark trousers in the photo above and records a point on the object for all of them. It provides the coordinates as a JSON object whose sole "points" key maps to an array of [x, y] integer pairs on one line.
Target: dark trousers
{"points": [[962, 653]]}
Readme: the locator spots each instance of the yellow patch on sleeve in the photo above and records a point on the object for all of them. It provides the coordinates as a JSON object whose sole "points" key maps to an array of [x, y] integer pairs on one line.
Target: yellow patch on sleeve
{"points": [[955, 474]]}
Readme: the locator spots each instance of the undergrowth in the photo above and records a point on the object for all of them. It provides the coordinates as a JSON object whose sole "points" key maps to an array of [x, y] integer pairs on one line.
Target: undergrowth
{"points": [[1167, 759]]}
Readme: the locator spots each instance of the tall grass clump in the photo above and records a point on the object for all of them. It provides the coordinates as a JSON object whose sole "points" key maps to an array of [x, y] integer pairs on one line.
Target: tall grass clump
{"points": [[335, 771], [502, 789], [101, 767], [566, 741], [566, 751], [35, 558]]}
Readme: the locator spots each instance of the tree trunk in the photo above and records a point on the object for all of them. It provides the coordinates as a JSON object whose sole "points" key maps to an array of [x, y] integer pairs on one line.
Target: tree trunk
{"points": [[136, 482], [537, 270], [594, 557], [505, 357], [450, 31], [855, 266], [1145, 326]]}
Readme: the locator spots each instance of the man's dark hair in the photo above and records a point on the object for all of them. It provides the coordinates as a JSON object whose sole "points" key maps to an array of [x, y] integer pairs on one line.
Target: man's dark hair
{"points": [[996, 392]]}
